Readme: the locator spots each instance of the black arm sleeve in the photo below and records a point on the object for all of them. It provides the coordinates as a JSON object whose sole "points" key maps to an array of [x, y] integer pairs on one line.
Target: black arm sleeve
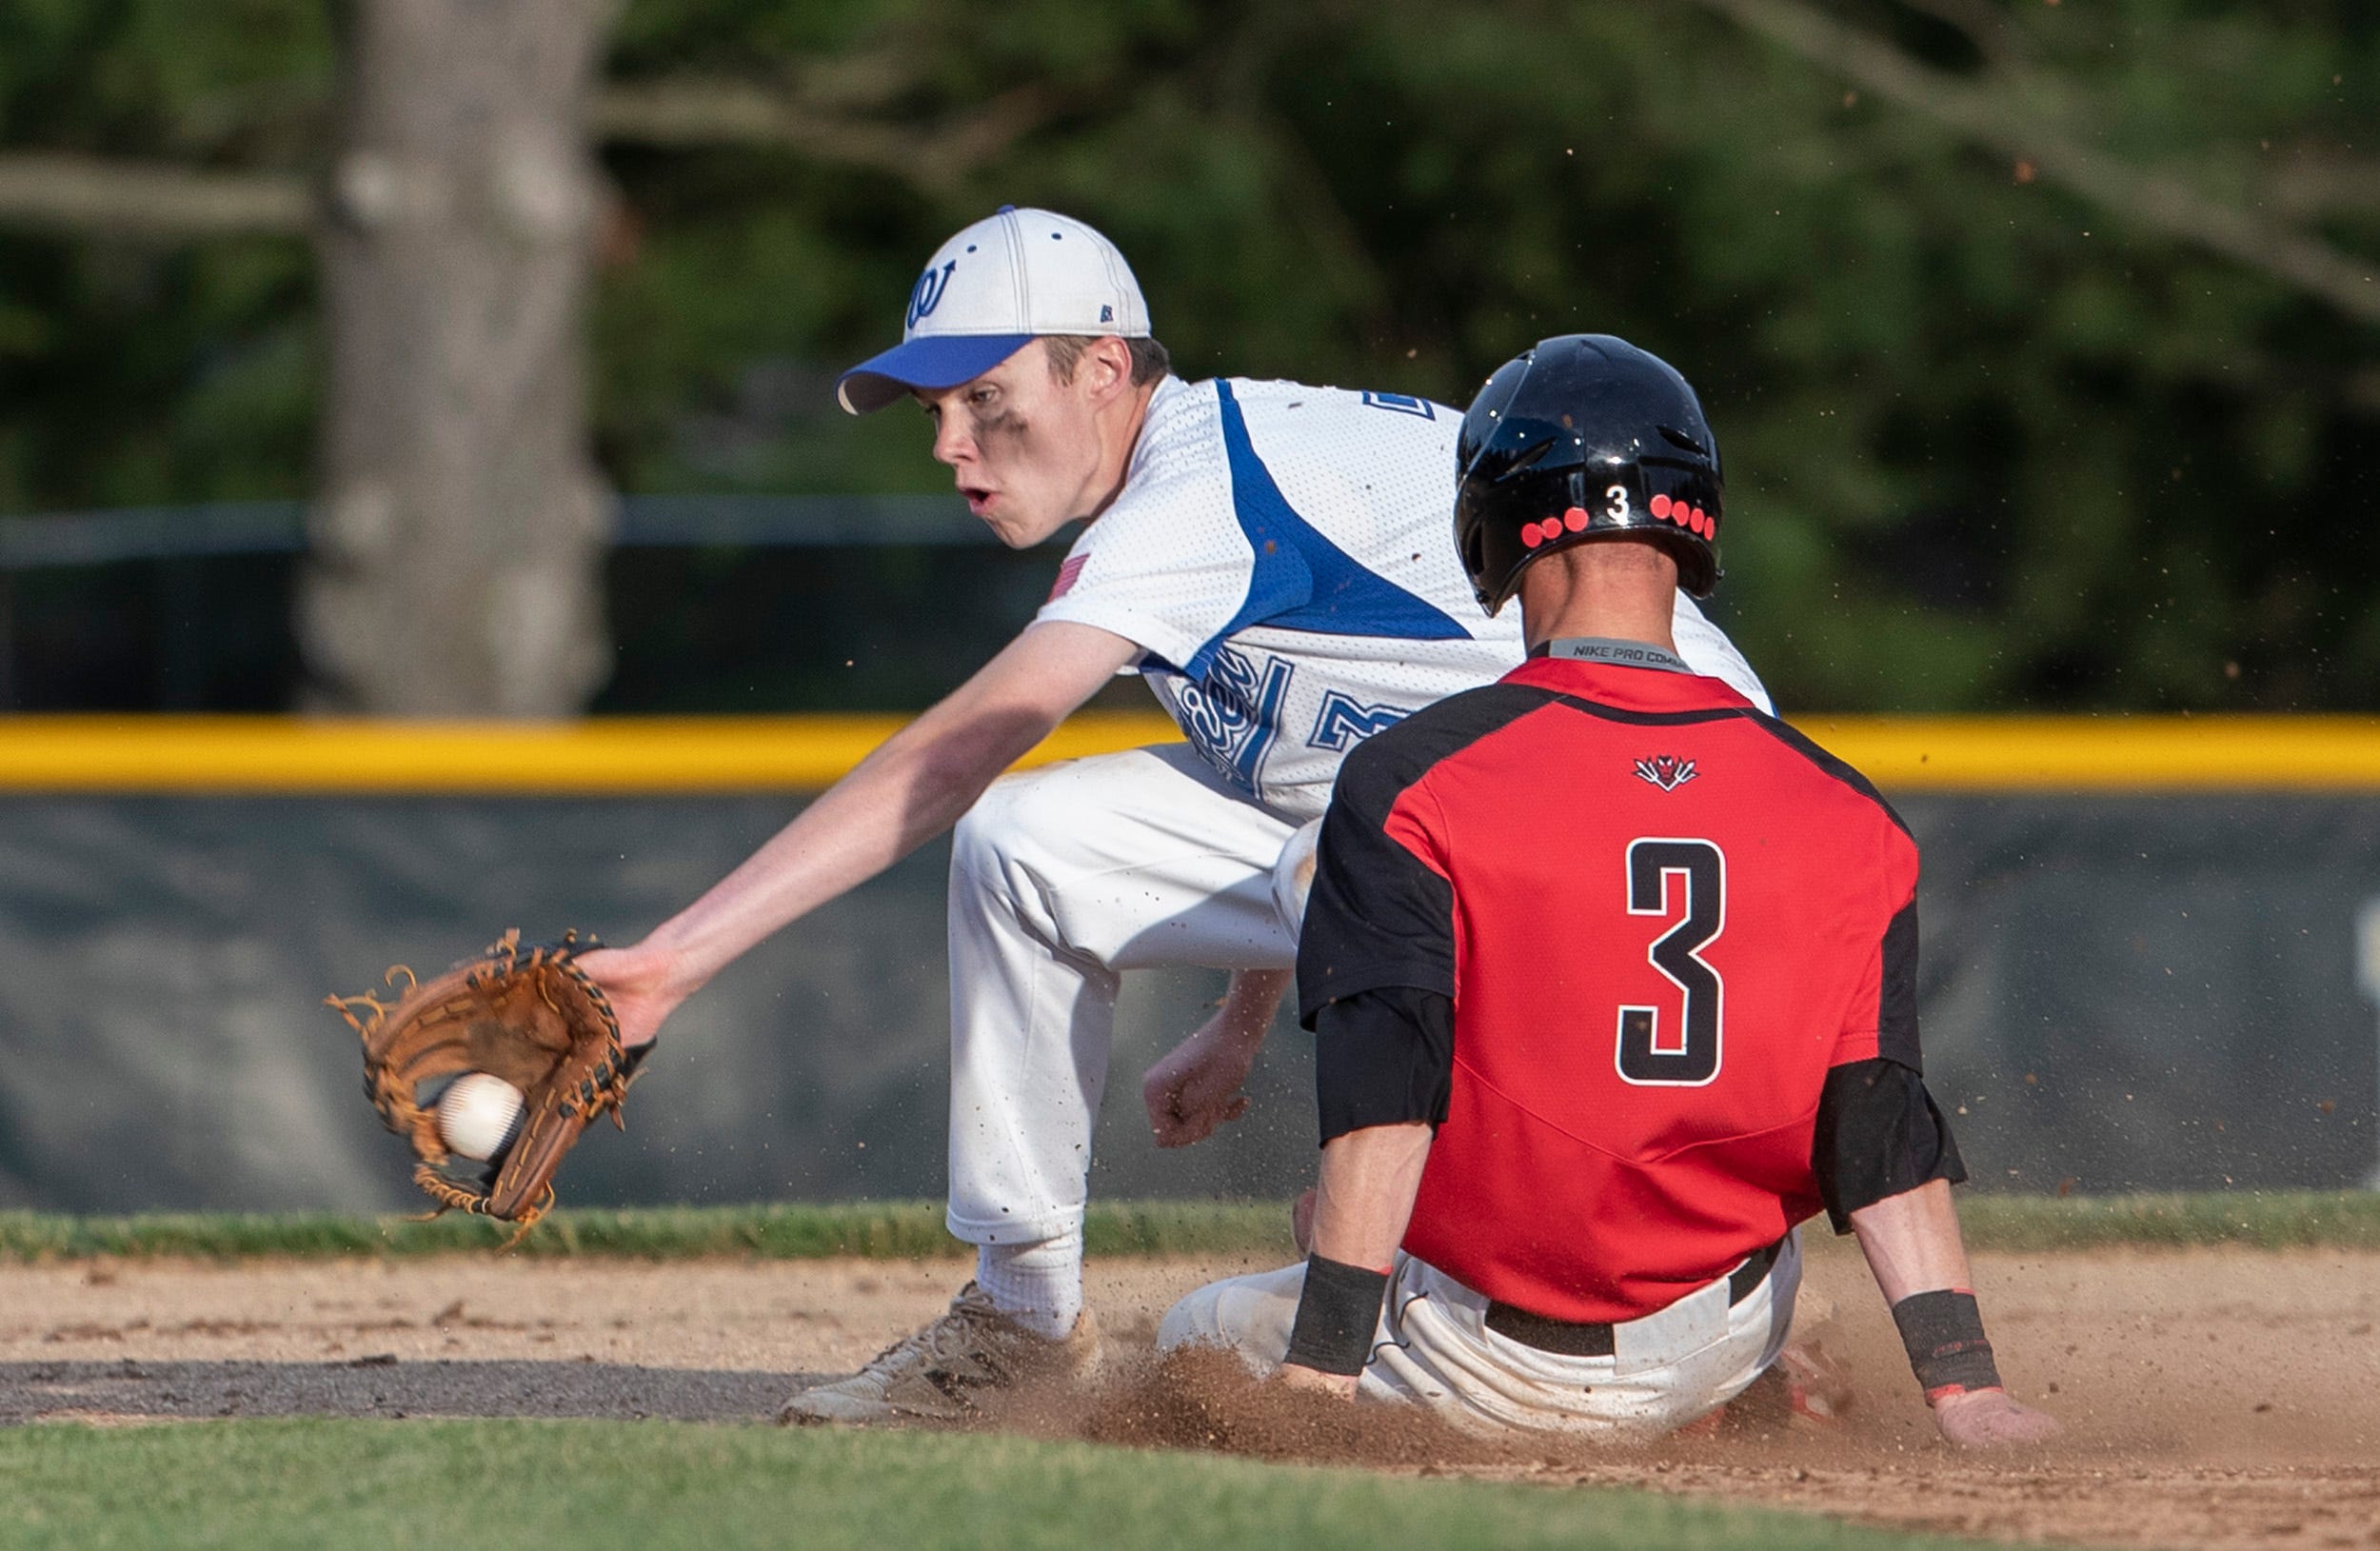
{"points": [[1879, 1134], [1384, 1057]]}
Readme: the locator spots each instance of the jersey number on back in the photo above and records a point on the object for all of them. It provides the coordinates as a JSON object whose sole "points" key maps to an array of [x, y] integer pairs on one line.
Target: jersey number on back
{"points": [[1678, 1045]]}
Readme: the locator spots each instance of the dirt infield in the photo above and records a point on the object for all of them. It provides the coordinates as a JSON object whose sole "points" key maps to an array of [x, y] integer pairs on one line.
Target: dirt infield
{"points": [[2213, 1398]]}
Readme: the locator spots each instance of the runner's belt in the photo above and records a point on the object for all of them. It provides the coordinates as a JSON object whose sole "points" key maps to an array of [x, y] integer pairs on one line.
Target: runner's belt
{"points": [[1593, 1338]]}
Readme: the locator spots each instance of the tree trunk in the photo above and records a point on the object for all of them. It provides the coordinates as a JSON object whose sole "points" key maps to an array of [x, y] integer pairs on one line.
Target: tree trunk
{"points": [[457, 542]]}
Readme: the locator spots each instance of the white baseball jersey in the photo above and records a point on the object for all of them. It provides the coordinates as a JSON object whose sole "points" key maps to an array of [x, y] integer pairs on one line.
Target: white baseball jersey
{"points": [[1283, 556]]}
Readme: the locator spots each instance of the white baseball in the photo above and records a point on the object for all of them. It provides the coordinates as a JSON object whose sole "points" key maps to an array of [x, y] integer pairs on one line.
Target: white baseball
{"points": [[479, 1115]]}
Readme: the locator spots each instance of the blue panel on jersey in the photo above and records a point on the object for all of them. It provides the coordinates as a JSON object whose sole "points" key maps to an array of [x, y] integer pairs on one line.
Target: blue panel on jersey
{"points": [[1302, 581], [1404, 403]]}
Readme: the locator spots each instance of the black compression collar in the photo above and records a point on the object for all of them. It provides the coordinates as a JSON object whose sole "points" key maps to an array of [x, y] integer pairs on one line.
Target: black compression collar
{"points": [[1612, 652], [1337, 1315], [1943, 1332]]}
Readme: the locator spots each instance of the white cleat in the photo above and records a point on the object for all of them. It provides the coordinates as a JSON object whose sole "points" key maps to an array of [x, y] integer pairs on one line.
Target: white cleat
{"points": [[937, 1374]]}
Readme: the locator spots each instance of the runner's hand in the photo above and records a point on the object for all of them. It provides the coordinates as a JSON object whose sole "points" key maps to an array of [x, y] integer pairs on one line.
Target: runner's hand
{"points": [[1988, 1418]]}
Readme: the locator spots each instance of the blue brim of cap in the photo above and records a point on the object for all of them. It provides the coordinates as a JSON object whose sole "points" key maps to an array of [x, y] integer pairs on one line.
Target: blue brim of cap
{"points": [[935, 362]]}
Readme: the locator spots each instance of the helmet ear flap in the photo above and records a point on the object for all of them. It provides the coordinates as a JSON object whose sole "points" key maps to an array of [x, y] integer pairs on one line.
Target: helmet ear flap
{"points": [[1474, 550]]}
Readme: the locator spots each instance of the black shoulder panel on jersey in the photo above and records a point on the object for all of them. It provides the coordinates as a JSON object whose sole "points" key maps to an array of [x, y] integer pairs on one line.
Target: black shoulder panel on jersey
{"points": [[1826, 762], [1378, 916], [1896, 995]]}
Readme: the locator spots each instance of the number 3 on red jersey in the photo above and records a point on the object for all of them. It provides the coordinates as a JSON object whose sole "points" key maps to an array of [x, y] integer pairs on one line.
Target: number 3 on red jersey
{"points": [[1677, 1046]]}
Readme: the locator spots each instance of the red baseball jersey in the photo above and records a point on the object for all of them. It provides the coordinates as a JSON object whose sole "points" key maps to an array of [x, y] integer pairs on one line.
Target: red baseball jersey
{"points": [[1661, 916]]}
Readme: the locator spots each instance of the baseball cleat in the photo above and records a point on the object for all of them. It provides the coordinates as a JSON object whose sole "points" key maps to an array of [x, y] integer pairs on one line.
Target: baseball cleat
{"points": [[1818, 1387], [1804, 1390], [938, 1373]]}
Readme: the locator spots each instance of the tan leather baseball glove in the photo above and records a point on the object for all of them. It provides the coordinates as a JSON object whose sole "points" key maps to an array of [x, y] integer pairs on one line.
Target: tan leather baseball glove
{"points": [[528, 1015]]}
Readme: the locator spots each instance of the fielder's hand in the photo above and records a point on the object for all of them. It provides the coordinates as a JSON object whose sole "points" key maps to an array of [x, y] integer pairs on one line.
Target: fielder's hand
{"points": [[1986, 1418], [637, 980], [1196, 1087]]}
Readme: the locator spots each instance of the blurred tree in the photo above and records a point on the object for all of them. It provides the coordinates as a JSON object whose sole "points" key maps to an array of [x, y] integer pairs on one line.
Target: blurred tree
{"points": [[459, 527]]}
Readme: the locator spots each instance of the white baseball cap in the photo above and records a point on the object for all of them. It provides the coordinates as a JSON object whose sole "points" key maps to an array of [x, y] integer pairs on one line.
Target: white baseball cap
{"points": [[988, 292]]}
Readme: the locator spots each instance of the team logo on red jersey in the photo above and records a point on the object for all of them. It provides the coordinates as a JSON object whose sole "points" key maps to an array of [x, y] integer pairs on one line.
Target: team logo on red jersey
{"points": [[1666, 771]]}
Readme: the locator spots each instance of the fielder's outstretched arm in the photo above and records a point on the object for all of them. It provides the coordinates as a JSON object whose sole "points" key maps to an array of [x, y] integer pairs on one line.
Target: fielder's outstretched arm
{"points": [[910, 788]]}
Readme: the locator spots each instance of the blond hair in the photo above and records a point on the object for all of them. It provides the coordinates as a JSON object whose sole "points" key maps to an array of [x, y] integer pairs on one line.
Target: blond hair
{"points": [[1149, 360]]}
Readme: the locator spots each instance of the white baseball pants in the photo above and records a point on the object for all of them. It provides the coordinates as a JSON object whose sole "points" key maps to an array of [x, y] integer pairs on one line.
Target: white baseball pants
{"points": [[1061, 879], [1434, 1349]]}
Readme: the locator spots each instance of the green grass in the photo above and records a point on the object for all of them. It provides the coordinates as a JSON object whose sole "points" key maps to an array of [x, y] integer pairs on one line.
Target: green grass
{"points": [[2273, 1220], [912, 1230], [889, 1230], [461, 1486]]}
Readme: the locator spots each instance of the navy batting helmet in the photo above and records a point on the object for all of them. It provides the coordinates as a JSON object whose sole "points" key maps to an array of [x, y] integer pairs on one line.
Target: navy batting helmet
{"points": [[1579, 437]]}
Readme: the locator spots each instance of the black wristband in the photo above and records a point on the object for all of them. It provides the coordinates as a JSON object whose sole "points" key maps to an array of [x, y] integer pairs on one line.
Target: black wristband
{"points": [[1943, 1332], [1337, 1315]]}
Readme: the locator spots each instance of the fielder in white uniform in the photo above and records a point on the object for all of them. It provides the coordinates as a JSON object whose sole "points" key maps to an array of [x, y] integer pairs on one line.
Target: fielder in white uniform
{"points": [[1273, 558]]}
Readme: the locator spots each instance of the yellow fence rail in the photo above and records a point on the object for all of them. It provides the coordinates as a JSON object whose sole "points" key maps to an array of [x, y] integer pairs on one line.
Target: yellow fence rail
{"points": [[261, 755]]}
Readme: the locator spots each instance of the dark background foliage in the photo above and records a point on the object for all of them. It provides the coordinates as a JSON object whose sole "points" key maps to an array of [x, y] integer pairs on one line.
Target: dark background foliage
{"points": [[1993, 443]]}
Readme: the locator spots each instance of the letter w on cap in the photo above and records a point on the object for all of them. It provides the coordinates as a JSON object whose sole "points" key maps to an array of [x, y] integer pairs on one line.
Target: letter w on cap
{"points": [[927, 293]]}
